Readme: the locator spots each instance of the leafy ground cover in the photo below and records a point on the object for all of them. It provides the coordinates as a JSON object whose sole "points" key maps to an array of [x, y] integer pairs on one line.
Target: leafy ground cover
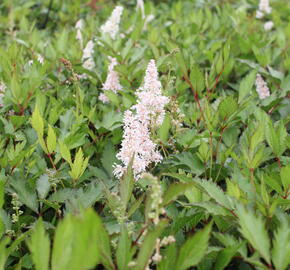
{"points": [[144, 136]]}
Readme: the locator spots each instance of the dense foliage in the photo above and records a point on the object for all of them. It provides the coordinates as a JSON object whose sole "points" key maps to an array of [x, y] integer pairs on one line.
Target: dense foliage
{"points": [[218, 199]]}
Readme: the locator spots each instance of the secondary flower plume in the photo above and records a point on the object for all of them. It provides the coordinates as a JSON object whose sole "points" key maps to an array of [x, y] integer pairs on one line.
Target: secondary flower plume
{"points": [[138, 122], [268, 25], [264, 8], [111, 26], [2, 92], [140, 5], [88, 60], [261, 87], [79, 27]]}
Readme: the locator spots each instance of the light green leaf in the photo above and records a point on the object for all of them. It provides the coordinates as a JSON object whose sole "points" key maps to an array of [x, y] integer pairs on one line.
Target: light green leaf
{"points": [[39, 246], [65, 153], [51, 140], [37, 122]]}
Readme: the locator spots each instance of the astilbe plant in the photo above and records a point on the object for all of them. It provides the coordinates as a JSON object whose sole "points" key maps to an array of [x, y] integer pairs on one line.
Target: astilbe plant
{"points": [[192, 173]]}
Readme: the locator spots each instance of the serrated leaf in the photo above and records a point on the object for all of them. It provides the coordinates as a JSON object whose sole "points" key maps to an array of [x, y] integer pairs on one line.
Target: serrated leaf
{"points": [[227, 107], [215, 192], [51, 140], [193, 250], [246, 85], [65, 153], [276, 138], [39, 246], [43, 186], [285, 176], [281, 246], [175, 190], [37, 122], [197, 79], [253, 229]]}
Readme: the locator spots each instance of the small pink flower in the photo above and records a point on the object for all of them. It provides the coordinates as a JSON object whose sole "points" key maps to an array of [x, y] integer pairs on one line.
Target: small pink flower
{"points": [[261, 87]]}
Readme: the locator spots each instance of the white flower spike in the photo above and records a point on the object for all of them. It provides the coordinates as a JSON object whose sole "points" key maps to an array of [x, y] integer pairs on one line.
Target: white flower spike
{"points": [[261, 87], [111, 26]]}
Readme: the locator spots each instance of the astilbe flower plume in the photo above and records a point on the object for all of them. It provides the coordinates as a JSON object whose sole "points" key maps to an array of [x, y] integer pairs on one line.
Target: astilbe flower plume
{"points": [[261, 87], [151, 102], [136, 144], [111, 26], [112, 82], [147, 113], [88, 60]]}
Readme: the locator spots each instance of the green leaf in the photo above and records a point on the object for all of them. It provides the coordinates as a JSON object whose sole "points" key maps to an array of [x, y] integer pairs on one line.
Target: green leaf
{"points": [[281, 246], [253, 229], [276, 137], [193, 250], [197, 79], [77, 238], [85, 249], [79, 165], [168, 258], [2, 184], [123, 253], [215, 192], [26, 194], [175, 190], [246, 85], [224, 257], [148, 246], [37, 122], [227, 107], [65, 153], [51, 140], [43, 186], [39, 246], [62, 244], [126, 186], [163, 131], [285, 176]]}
